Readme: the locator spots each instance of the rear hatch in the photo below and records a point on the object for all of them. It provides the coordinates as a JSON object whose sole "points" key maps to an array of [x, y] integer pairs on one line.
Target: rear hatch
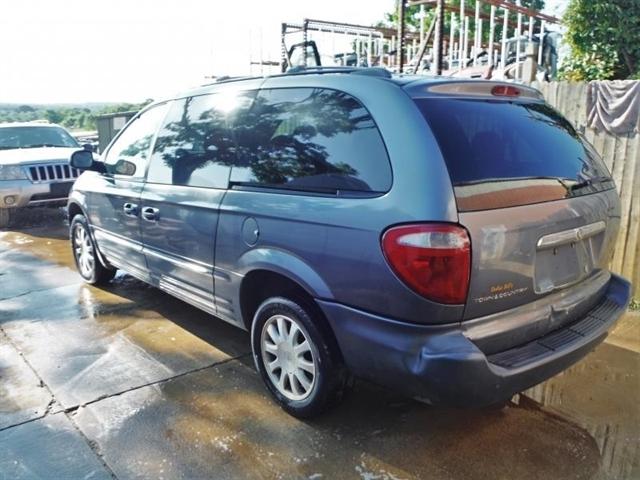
{"points": [[538, 202]]}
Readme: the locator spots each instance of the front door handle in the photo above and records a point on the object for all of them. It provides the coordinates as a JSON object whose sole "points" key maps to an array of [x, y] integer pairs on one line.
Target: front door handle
{"points": [[150, 214], [130, 209]]}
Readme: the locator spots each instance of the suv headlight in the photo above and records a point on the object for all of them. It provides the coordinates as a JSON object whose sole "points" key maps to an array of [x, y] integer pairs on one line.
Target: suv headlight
{"points": [[12, 172]]}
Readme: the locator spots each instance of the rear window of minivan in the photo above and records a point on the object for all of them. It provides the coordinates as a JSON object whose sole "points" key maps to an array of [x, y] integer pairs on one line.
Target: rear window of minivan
{"points": [[508, 153]]}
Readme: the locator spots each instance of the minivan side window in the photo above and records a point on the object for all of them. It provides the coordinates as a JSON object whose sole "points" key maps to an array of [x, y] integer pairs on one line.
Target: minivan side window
{"points": [[310, 139], [129, 153], [196, 145]]}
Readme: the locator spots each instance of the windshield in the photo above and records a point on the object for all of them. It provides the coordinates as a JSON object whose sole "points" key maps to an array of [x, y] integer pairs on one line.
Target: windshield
{"points": [[34, 137], [502, 153]]}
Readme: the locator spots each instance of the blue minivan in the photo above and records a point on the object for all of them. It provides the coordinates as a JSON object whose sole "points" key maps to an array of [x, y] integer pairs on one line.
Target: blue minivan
{"points": [[446, 238]]}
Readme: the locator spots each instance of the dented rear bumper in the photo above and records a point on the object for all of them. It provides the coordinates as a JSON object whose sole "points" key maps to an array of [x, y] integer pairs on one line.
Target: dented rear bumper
{"points": [[443, 366]]}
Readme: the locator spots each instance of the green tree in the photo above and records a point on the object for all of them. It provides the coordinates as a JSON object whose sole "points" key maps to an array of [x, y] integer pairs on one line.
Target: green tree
{"points": [[54, 116], [604, 36], [81, 117]]}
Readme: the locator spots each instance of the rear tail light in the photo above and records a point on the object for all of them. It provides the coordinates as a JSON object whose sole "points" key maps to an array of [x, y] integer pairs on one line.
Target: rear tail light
{"points": [[432, 259], [505, 91]]}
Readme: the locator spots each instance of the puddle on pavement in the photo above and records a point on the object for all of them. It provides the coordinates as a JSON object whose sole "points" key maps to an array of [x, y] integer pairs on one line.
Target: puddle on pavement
{"points": [[220, 423], [602, 395], [43, 233], [107, 339], [87, 343], [22, 397]]}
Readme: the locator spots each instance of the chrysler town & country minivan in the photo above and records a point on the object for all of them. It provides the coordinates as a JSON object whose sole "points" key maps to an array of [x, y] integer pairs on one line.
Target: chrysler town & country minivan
{"points": [[446, 238]]}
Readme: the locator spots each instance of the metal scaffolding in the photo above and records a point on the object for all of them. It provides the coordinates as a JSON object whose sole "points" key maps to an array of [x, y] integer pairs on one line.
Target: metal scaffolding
{"points": [[367, 46], [464, 45]]}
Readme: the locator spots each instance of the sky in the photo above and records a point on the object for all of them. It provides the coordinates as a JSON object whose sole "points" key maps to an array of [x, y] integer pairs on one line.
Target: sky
{"points": [[74, 51]]}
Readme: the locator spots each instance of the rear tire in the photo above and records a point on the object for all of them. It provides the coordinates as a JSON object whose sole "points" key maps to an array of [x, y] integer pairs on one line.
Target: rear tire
{"points": [[296, 358], [85, 253]]}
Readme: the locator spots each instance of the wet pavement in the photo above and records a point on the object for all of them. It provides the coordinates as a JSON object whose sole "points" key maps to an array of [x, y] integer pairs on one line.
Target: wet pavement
{"points": [[125, 381]]}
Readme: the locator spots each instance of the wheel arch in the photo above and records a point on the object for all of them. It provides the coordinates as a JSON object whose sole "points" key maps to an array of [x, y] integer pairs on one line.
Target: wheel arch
{"points": [[262, 283], [73, 209]]}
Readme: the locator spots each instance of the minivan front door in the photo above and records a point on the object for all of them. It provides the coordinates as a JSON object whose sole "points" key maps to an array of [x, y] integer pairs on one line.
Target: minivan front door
{"points": [[115, 195]]}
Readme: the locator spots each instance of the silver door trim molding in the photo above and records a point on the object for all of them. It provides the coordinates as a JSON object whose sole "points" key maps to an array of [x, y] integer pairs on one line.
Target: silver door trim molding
{"points": [[100, 232], [196, 267], [169, 286]]}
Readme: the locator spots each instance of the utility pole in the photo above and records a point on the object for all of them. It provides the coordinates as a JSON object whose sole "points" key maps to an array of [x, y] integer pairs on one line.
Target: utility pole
{"points": [[284, 55], [400, 44], [438, 54]]}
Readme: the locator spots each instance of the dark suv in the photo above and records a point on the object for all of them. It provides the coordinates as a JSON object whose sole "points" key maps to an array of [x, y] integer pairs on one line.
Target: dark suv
{"points": [[446, 238]]}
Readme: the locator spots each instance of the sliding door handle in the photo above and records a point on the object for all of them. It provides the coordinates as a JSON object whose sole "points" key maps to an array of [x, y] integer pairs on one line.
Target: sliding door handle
{"points": [[150, 214], [130, 209]]}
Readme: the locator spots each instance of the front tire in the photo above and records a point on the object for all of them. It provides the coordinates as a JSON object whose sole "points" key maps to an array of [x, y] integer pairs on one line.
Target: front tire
{"points": [[296, 357], [85, 253]]}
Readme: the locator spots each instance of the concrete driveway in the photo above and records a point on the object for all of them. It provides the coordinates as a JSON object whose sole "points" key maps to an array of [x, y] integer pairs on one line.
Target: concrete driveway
{"points": [[128, 382]]}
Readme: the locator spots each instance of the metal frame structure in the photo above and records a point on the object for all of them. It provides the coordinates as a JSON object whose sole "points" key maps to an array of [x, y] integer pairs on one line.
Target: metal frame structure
{"points": [[462, 47], [374, 46], [467, 21]]}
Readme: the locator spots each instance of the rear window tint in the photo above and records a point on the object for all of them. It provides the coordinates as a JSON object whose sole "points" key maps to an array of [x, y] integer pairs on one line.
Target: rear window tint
{"points": [[501, 153], [311, 139]]}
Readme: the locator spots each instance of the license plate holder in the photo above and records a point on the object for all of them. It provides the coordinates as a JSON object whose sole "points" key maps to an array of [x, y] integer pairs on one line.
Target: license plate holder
{"points": [[60, 189], [563, 265]]}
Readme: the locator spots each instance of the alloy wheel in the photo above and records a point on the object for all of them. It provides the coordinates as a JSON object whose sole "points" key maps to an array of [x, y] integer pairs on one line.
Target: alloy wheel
{"points": [[83, 251], [288, 357]]}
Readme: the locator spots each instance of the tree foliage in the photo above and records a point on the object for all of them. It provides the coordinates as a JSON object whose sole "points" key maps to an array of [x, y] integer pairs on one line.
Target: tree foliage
{"points": [[604, 36], [81, 117]]}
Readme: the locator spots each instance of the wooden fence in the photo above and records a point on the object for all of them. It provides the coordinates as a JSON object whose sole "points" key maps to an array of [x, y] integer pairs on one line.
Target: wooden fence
{"points": [[622, 155]]}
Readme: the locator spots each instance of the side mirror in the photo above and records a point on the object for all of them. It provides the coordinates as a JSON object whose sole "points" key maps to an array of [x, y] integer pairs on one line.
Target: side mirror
{"points": [[88, 147], [83, 160], [124, 167]]}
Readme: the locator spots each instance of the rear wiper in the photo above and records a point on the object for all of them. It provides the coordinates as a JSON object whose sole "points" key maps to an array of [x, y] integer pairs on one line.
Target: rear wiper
{"points": [[588, 182], [512, 179]]}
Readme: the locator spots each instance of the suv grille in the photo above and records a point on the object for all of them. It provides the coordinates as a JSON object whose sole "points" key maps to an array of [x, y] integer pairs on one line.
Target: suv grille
{"points": [[52, 172]]}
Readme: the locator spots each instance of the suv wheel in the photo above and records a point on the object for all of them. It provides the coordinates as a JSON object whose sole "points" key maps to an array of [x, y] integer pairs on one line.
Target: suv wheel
{"points": [[296, 358], [85, 255]]}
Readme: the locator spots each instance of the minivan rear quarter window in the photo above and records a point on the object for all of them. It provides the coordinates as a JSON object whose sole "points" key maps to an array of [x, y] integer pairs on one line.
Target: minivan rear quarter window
{"points": [[311, 139], [508, 153]]}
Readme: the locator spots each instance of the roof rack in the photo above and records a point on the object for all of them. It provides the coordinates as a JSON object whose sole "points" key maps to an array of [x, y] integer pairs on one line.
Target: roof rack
{"points": [[225, 79], [302, 70], [369, 71]]}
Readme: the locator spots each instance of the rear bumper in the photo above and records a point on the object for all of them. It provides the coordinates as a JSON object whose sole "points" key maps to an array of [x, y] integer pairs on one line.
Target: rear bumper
{"points": [[442, 366]]}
